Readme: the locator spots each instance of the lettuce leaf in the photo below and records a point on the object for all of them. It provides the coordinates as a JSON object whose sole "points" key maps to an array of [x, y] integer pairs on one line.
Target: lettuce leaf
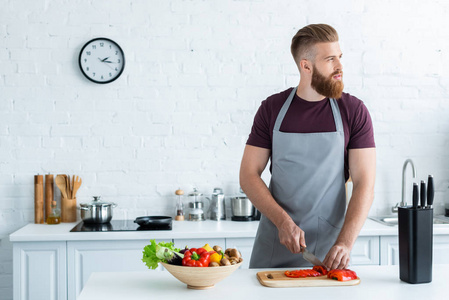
{"points": [[154, 253]]}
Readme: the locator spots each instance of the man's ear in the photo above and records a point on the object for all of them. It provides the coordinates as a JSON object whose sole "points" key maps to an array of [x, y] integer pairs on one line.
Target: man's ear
{"points": [[305, 65]]}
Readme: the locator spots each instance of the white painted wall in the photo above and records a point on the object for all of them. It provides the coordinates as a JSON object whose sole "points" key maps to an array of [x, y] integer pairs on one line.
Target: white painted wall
{"points": [[195, 74]]}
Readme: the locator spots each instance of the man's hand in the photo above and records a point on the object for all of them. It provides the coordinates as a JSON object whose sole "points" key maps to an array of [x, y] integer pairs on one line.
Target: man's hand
{"points": [[337, 257], [291, 236]]}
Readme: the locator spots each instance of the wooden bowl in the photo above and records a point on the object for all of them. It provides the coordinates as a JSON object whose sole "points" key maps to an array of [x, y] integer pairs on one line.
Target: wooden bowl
{"points": [[200, 278]]}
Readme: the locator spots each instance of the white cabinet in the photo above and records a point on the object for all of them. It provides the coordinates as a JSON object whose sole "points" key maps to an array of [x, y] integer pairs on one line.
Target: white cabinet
{"points": [[365, 251], [440, 249], [40, 270], [389, 250], [85, 257]]}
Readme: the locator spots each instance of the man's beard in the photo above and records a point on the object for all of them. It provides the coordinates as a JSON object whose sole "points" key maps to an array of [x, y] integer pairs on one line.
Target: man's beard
{"points": [[327, 87]]}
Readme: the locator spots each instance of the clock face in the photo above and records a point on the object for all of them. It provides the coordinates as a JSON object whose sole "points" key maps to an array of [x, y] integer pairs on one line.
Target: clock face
{"points": [[101, 60]]}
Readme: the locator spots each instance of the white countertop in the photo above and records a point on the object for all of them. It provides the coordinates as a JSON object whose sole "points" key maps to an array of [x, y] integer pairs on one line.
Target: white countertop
{"points": [[377, 282], [181, 229]]}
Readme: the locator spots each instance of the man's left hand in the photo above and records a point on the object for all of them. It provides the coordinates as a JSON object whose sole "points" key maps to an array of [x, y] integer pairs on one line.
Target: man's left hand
{"points": [[337, 257]]}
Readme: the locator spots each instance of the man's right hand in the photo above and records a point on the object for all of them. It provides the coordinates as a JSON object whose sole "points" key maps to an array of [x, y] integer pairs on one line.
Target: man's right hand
{"points": [[291, 236]]}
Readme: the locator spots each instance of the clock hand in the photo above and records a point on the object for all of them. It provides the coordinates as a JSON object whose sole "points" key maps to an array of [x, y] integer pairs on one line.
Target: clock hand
{"points": [[110, 67]]}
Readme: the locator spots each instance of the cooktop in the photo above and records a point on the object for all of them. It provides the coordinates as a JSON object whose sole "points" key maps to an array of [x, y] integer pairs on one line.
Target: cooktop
{"points": [[118, 225]]}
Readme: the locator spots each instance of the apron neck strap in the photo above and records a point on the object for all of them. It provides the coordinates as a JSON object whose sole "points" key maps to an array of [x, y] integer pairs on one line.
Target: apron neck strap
{"points": [[283, 111]]}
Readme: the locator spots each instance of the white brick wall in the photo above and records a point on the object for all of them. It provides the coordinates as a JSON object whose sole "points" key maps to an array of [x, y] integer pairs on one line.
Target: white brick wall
{"points": [[195, 74]]}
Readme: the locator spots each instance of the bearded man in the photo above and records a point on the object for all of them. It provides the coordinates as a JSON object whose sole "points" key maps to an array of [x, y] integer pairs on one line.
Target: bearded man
{"points": [[316, 136]]}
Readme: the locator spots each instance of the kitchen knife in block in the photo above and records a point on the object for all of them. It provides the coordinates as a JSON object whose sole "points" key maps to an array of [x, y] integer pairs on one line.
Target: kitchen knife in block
{"points": [[423, 194], [39, 199], [430, 191], [415, 228], [415, 195]]}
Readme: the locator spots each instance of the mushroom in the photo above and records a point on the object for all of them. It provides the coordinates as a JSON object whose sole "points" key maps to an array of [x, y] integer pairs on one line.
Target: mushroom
{"points": [[234, 253], [217, 249], [234, 260], [225, 262]]}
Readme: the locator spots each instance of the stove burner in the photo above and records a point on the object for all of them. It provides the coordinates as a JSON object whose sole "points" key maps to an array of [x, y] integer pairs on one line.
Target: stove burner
{"points": [[118, 225]]}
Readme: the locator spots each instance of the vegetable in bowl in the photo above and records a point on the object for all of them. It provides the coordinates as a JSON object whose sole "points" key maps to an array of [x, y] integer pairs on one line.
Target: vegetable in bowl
{"points": [[161, 252]]}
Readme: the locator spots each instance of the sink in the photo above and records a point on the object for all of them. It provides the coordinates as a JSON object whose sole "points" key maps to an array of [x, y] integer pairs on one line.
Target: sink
{"points": [[393, 220]]}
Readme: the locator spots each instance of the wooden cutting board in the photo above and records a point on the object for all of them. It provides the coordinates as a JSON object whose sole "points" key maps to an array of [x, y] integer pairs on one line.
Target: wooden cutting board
{"points": [[277, 279]]}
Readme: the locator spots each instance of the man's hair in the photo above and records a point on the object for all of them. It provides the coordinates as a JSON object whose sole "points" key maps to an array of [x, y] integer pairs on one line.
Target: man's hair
{"points": [[307, 37]]}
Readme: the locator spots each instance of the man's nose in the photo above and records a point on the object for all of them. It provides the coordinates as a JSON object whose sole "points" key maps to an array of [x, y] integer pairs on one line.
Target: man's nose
{"points": [[338, 66]]}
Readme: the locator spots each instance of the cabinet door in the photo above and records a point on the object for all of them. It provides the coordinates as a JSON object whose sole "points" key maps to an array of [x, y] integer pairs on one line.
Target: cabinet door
{"points": [[40, 270], [245, 246], [365, 251], [440, 249], [390, 250], [85, 257]]}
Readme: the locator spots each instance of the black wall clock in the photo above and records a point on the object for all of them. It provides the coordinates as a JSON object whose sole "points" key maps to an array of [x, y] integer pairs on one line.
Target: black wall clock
{"points": [[101, 60]]}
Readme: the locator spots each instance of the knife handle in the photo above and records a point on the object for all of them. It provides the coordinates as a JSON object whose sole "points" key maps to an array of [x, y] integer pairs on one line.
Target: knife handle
{"points": [[415, 195], [423, 194], [430, 191]]}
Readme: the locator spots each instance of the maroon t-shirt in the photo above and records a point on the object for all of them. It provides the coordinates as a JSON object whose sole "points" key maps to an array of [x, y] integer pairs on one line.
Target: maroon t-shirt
{"points": [[304, 117]]}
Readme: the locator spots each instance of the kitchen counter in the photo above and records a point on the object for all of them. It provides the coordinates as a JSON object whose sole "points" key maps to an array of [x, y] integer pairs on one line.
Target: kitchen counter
{"points": [[189, 229], [50, 260], [377, 282]]}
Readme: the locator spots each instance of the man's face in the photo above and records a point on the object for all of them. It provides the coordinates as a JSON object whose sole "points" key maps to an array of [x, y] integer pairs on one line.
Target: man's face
{"points": [[327, 71]]}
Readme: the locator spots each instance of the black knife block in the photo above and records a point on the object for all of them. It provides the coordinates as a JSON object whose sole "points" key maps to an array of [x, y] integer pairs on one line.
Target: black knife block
{"points": [[415, 244]]}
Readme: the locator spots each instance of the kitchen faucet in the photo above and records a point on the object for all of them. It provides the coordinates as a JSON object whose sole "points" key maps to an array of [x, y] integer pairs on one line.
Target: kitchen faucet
{"points": [[404, 189]]}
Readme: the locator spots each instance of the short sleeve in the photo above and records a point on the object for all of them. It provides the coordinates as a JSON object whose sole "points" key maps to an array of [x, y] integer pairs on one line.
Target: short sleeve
{"points": [[362, 133], [260, 132]]}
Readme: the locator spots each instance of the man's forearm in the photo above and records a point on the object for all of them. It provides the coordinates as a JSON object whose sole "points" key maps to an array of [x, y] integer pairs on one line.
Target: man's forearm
{"points": [[259, 194], [358, 208]]}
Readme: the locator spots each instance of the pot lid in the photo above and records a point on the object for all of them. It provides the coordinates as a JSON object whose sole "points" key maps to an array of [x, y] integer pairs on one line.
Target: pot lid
{"points": [[97, 202]]}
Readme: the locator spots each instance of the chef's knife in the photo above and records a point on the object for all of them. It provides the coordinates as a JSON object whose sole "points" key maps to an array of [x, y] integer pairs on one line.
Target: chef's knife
{"points": [[311, 258], [423, 194], [415, 195], [430, 191]]}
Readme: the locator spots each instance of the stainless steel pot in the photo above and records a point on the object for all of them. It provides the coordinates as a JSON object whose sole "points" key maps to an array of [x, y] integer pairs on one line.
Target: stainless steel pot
{"points": [[97, 211], [241, 206]]}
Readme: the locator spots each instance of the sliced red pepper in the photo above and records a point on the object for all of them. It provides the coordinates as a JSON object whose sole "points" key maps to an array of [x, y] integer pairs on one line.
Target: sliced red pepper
{"points": [[320, 269], [196, 258], [342, 274], [302, 273]]}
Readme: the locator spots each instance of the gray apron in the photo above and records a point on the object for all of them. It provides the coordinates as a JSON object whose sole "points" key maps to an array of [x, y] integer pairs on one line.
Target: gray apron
{"points": [[307, 181]]}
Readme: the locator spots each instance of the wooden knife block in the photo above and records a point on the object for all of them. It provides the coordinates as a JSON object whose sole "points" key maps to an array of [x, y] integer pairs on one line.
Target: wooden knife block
{"points": [[68, 210]]}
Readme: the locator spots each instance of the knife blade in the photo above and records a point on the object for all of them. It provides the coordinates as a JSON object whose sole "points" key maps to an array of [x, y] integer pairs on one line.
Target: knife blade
{"points": [[430, 191], [415, 195], [311, 258], [423, 194]]}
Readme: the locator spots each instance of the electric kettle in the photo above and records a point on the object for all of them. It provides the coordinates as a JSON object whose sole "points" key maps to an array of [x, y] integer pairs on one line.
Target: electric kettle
{"points": [[217, 208]]}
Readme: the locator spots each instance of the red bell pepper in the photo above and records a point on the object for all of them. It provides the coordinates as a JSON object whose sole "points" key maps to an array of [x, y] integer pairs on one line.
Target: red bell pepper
{"points": [[196, 257], [320, 269], [302, 273], [342, 275]]}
